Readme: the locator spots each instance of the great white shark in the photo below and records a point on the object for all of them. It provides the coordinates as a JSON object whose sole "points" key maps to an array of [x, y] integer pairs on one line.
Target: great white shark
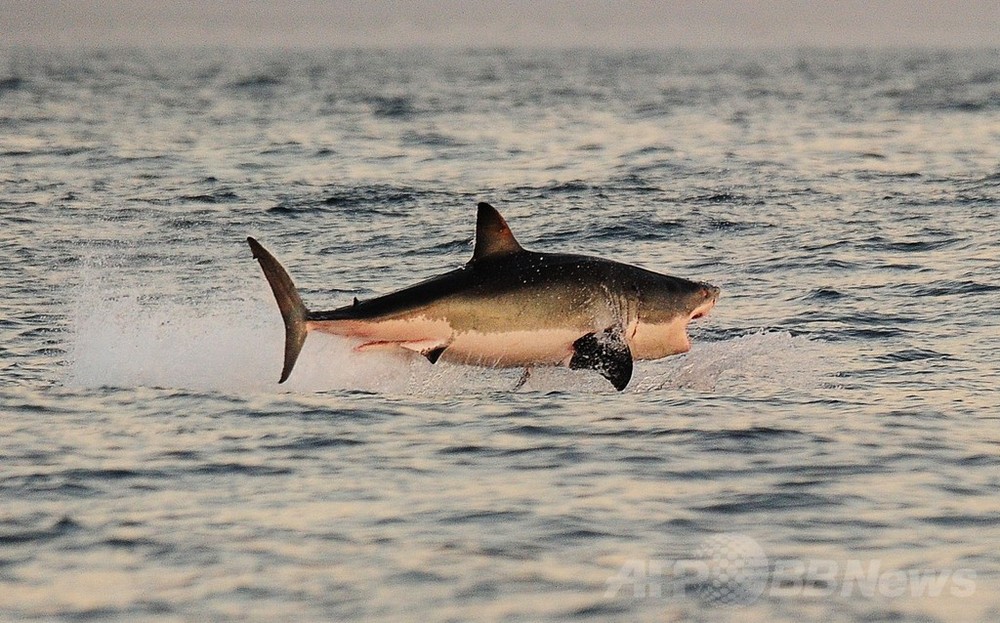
{"points": [[511, 307]]}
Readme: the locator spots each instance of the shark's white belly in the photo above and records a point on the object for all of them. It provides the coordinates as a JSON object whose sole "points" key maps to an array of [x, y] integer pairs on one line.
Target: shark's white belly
{"points": [[541, 347], [421, 334], [544, 347]]}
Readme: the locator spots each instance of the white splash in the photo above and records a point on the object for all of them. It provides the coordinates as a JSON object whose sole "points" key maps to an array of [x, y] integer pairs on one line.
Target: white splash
{"points": [[775, 360]]}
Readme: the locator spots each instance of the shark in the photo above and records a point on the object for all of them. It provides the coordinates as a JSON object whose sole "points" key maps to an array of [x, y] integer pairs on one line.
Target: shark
{"points": [[511, 307]]}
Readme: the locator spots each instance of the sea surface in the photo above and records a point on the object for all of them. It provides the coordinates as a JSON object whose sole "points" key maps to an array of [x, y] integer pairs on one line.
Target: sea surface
{"points": [[828, 450]]}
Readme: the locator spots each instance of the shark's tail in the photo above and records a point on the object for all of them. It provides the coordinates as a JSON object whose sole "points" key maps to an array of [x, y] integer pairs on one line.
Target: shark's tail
{"points": [[293, 311]]}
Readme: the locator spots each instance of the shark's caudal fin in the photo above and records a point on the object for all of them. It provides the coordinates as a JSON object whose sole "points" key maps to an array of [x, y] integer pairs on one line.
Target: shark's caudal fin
{"points": [[293, 311]]}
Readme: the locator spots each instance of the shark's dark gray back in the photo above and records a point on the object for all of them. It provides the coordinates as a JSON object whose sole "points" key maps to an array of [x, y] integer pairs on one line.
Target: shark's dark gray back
{"points": [[542, 283]]}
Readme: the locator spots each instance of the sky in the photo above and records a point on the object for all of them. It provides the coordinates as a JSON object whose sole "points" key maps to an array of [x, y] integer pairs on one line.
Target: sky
{"points": [[493, 23]]}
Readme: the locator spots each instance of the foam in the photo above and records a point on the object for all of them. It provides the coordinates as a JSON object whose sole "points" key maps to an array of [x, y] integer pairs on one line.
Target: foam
{"points": [[764, 360], [127, 342]]}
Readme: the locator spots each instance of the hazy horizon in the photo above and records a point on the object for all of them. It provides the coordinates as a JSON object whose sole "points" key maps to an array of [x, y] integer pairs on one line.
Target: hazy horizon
{"points": [[516, 23]]}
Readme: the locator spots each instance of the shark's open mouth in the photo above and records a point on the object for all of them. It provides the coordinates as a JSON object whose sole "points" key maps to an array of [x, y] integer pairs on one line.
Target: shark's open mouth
{"points": [[701, 311]]}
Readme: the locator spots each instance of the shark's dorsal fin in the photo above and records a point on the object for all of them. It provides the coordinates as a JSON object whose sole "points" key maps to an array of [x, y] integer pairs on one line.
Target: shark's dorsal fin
{"points": [[493, 236]]}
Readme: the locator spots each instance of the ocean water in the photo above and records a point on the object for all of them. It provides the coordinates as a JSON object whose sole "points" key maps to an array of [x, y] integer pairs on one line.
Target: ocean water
{"points": [[828, 450]]}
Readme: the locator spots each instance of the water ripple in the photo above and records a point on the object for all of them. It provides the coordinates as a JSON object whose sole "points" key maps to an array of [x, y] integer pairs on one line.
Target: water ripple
{"points": [[837, 405]]}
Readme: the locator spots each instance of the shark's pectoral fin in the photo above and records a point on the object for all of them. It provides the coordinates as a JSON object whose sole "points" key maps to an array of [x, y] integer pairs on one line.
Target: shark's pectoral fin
{"points": [[606, 352], [434, 354]]}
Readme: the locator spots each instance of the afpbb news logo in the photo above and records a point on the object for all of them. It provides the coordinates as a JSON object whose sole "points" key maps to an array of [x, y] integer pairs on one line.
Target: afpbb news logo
{"points": [[733, 570]]}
